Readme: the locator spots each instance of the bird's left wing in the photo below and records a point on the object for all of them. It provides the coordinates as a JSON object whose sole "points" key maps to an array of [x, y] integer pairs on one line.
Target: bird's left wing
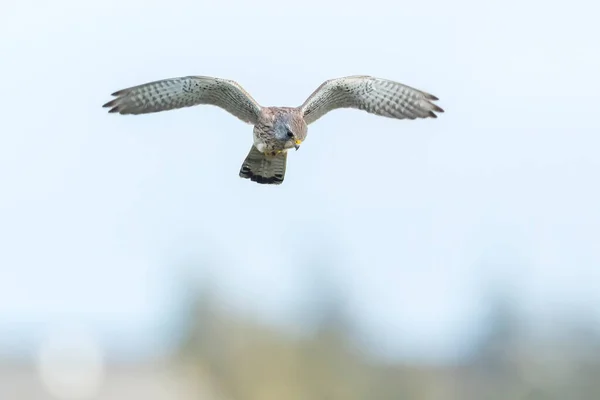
{"points": [[373, 95], [169, 94]]}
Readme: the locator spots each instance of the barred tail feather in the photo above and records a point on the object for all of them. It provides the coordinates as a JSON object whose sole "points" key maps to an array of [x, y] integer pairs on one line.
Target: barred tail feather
{"points": [[262, 169]]}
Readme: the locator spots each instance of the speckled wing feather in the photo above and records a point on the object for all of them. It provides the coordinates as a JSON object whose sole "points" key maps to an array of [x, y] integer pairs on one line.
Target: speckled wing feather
{"points": [[169, 94], [373, 95]]}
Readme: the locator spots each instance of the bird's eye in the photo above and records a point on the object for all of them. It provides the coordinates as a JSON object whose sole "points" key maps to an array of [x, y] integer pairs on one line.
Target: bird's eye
{"points": [[289, 133]]}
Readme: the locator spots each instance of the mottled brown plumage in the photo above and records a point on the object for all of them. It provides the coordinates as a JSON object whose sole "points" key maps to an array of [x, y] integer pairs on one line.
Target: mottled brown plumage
{"points": [[276, 129]]}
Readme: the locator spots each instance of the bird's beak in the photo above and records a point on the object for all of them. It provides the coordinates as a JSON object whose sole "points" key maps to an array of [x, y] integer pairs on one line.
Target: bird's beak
{"points": [[297, 145]]}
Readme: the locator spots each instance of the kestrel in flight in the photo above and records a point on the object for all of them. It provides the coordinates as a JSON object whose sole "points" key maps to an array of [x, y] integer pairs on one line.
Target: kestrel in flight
{"points": [[276, 129]]}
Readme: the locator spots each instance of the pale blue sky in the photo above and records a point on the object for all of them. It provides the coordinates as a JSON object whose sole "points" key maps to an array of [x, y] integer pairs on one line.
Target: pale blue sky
{"points": [[95, 208]]}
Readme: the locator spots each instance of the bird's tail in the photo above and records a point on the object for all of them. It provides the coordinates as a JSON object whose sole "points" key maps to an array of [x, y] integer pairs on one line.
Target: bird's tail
{"points": [[264, 169]]}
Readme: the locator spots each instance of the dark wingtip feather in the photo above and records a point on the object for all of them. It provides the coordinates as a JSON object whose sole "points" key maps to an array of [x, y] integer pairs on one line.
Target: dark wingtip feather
{"points": [[429, 96], [437, 108], [119, 92], [432, 114], [114, 106], [109, 104]]}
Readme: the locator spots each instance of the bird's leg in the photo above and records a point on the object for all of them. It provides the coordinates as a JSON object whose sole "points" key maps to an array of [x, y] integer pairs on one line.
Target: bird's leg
{"points": [[273, 153]]}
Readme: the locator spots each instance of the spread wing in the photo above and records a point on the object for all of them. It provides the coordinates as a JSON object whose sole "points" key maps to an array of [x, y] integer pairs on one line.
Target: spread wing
{"points": [[169, 94], [373, 95]]}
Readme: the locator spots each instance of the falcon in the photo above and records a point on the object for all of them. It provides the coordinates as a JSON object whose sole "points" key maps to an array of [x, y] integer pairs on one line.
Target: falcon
{"points": [[276, 129]]}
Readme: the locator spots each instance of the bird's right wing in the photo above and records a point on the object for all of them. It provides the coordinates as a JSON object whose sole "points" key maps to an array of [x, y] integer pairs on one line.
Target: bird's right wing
{"points": [[169, 94], [374, 95]]}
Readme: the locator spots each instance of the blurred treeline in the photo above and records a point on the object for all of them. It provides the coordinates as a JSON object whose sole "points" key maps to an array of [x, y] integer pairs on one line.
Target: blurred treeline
{"points": [[242, 358]]}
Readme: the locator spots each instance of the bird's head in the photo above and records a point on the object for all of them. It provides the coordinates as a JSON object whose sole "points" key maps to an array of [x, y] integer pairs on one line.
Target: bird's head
{"points": [[290, 129]]}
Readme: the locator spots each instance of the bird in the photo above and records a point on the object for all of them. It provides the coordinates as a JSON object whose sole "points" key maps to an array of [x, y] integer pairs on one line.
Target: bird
{"points": [[276, 129]]}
